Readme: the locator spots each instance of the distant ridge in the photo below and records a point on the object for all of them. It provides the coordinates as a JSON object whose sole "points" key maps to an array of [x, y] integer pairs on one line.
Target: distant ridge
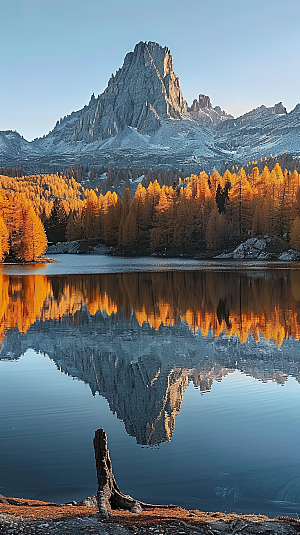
{"points": [[142, 120]]}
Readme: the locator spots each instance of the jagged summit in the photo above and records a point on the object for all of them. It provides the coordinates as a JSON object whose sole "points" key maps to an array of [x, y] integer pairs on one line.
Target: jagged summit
{"points": [[202, 111], [141, 93]]}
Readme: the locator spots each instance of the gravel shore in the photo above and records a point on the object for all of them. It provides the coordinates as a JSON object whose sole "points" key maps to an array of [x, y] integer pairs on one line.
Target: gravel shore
{"points": [[12, 524], [19, 516]]}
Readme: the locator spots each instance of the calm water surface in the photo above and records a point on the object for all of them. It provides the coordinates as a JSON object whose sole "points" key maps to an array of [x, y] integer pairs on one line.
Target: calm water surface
{"points": [[192, 370], [86, 264]]}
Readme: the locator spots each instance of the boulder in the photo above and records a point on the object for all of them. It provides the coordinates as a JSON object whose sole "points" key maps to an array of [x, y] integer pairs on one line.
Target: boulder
{"points": [[64, 248], [291, 254], [251, 248]]}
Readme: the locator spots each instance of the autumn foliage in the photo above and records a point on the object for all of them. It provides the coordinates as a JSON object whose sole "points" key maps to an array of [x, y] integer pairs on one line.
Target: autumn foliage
{"points": [[22, 234], [202, 211]]}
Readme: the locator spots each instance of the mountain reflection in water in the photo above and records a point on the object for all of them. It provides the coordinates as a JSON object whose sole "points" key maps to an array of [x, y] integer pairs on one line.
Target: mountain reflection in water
{"points": [[139, 338]]}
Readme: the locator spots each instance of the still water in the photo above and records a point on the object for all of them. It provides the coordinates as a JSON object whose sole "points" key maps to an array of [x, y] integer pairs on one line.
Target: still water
{"points": [[193, 372]]}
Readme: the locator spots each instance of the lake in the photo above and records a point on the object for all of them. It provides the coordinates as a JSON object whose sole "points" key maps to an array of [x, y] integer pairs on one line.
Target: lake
{"points": [[192, 368]]}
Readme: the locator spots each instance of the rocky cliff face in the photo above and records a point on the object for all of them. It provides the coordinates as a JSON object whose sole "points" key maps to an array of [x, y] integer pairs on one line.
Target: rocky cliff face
{"points": [[203, 113], [141, 93]]}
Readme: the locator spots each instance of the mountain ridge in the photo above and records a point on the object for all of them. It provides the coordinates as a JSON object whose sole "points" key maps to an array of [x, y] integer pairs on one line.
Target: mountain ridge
{"points": [[142, 120]]}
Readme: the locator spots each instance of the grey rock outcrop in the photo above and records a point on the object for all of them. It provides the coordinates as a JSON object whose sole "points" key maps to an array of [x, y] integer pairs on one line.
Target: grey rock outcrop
{"points": [[279, 109], [204, 101], [64, 248], [77, 246], [289, 255], [203, 113], [251, 248]]}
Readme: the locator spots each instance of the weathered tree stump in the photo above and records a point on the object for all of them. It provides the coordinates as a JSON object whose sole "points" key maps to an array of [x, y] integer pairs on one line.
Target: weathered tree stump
{"points": [[109, 495]]}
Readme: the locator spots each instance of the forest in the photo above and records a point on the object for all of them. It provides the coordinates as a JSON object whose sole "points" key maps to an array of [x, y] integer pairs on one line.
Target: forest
{"points": [[198, 213]]}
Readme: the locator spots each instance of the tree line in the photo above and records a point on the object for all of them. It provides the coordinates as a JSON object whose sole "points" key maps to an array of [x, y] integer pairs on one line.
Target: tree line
{"points": [[203, 212]]}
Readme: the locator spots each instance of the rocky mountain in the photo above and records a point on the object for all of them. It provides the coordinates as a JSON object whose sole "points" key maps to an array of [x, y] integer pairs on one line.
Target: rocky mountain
{"points": [[142, 120], [203, 113], [15, 147], [141, 94]]}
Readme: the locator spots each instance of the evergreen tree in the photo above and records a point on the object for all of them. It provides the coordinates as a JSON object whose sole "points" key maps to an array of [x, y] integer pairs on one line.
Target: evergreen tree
{"points": [[222, 197], [162, 233], [56, 225]]}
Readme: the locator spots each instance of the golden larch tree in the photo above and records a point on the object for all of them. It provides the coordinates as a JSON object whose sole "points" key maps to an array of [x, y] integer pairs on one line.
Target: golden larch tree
{"points": [[34, 240]]}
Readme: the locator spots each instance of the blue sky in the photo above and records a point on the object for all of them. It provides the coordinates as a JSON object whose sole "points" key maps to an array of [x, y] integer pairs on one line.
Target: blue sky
{"points": [[55, 53]]}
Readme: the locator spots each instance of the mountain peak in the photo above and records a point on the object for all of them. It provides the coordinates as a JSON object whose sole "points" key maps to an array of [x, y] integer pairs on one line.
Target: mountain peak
{"points": [[203, 113], [141, 120], [141, 93], [279, 109]]}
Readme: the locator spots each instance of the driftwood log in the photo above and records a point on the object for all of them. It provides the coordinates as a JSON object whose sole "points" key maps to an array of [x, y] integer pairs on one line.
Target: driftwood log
{"points": [[109, 495]]}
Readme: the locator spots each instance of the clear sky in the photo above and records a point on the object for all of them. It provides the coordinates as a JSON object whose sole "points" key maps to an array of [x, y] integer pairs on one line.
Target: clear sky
{"points": [[55, 53]]}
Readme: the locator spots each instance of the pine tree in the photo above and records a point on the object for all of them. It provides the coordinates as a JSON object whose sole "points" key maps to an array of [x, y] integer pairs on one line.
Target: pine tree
{"points": [[268, 219], [56, 225], [112, 207], [217, 232], [138, 206], [184, 222], [254, 179]]}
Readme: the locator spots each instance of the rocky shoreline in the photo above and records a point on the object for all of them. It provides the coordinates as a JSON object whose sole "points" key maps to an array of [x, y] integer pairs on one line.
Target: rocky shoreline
{"points": [[78, 247], [31, 517], [264, 248], [41, 260], [260, 248]]}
